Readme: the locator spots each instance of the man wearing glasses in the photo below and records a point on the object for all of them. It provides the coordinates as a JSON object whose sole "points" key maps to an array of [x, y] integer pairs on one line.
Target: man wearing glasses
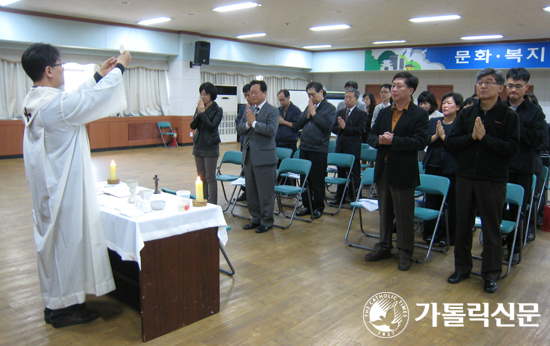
{"points": [[486, 138], [385, 94], [533, 135]]}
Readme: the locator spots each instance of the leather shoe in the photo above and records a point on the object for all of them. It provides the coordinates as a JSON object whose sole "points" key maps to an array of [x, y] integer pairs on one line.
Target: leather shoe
{"points": [[251, 225], [317, 214], [377, 256], [457, 277], [241, 198], [303, 212], [80, 316], [404, 263], [530, 237], [263, 229], [491, 286], [516, 258], [334, 203]]}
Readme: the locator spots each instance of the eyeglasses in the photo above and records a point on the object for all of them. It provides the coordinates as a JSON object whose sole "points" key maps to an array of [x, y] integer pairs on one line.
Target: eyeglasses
{"points": [[487, 83], [60, 64], [515, 86]]}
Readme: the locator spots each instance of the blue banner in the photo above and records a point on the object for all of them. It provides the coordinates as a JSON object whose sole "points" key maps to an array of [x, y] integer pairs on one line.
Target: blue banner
{"points": [[506, 55]]}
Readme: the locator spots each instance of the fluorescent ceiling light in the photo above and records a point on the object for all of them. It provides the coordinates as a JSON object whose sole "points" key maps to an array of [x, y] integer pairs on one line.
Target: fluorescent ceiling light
{"points": [[7, 2], [547, 8], [481, 37], [389, 42], [330, 27], [435, 18], [318, 46], [235, 7], [154, 21], [260, 34]]}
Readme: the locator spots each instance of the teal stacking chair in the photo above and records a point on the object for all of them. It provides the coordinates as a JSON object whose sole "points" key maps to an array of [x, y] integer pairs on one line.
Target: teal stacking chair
{"points": [[343, 161], [514, 195], [297, 166], [368, 154], [367, 178], [528, 208], [539, 196], [163, 126], [230, 157], [283, 153], [332, 146], [437, 185], [222, 249]]}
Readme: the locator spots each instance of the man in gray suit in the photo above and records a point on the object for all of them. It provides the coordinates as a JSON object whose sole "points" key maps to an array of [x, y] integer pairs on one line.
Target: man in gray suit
{"points": [[260, 157]]}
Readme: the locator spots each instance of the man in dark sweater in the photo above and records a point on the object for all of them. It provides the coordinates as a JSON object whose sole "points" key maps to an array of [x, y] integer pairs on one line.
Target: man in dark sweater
{"points": [[532, 136], [316, 123], [486, 138], [289, 113]]}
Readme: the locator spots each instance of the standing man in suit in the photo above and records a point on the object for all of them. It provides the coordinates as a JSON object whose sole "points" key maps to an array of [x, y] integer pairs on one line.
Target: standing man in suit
{"points": [[316, 123], [351, 85], [349, 126], [399, 133], [260, 157]]}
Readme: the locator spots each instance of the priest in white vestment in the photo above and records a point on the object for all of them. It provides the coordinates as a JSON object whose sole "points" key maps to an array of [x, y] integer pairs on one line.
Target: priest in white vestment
{"points": [[70, 241]]}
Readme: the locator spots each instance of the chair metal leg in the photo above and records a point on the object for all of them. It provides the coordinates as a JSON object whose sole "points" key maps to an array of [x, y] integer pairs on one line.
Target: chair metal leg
{"points": [[430, 248], [361, 226], [234, 202], [341, 200], [228, 262], [293, 215]]}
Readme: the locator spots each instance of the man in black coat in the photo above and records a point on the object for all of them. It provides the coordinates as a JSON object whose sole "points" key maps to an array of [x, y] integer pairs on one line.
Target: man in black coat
{"points": [[400, 131], [349, 126]]}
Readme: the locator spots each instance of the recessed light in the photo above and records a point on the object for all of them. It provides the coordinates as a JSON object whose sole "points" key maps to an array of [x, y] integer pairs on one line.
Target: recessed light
{"points": [[260, 34], [7, 2], [318, 46], [154, 21], [434, 18], [481, 37], [125, 3], [389, 42], [547, 8], [235, 7], [330, 27]]}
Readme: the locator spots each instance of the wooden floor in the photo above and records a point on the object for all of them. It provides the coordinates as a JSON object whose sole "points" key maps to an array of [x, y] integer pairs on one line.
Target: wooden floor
{"points": [[300, 286]]}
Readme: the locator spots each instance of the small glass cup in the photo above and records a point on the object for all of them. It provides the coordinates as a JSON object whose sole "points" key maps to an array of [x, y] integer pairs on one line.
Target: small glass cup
{"points": [[184, 199]]}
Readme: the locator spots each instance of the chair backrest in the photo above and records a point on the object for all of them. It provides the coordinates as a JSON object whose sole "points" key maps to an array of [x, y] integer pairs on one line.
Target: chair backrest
{"points": [[235, 157], [514, 194], [367, 176], [340, 160], [368, 154], [296, 154], [534, 183], [544, 175], [331, 146], [434, 184], [298, 166], [164, 124], [283, 153], [421, 168]]}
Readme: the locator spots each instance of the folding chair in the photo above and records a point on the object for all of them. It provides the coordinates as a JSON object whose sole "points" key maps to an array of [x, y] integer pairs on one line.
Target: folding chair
{"points": [[368, 154], [539, 196], [341, 160], [528, 209], [332, 146], [437, 185], [164, 125], [367, 178], [297, 166], [222, 249], [232, 157], [283, 153], [514, 195]]}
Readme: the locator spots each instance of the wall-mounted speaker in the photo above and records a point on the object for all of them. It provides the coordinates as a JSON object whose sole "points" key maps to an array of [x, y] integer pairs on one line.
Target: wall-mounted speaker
{"points": [[202, 53]]}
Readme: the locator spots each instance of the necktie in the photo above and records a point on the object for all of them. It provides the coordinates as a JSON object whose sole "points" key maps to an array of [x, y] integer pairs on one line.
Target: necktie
{"points": [[347, 114], [249, 134]]}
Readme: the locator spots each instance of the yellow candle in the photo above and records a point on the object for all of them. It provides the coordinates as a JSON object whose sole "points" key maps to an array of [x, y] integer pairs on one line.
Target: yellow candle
{"points": [[113, 170], [198, 189]]}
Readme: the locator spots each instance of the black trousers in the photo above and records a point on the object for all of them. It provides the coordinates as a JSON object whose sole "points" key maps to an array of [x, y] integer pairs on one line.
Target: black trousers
{"points": [[434, 202], [316, 179], [395, 204], [488, 198]]}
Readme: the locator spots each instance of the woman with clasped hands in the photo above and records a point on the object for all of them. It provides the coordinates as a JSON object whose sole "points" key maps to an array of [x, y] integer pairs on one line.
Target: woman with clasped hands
{"points": [[206, 150]]}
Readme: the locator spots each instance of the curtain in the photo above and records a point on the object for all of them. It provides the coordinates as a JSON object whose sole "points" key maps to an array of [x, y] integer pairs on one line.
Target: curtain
{"points": [[146, 92], [274, 84], [14, 85]]}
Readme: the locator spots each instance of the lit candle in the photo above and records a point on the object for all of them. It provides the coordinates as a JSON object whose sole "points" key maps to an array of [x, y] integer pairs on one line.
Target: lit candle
{"points": [[198, 189], [113, 170]]}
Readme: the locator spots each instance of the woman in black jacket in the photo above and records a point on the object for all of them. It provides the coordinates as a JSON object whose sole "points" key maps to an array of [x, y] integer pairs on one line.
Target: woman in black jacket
{"points": [[440, 161], [206, 140]]}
